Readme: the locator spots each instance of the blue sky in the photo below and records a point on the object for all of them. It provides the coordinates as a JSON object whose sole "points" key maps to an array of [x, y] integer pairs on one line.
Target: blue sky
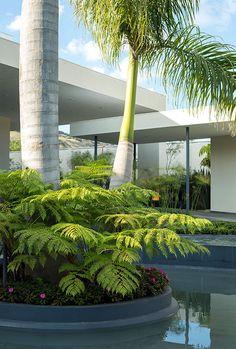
{"points": [[217, 17]]}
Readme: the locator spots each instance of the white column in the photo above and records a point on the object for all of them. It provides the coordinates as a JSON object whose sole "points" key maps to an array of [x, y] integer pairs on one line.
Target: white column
{"points": [[148, 160], [223, 170], [4, 143]]}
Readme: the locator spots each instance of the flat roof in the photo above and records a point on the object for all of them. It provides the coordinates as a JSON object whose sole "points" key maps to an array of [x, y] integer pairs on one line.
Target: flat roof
{"points": [[155, 127], [84, 94]]}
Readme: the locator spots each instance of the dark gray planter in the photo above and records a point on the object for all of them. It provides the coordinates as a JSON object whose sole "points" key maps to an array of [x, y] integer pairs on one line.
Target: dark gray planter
{"points": [[70, 318], [221, 255]]}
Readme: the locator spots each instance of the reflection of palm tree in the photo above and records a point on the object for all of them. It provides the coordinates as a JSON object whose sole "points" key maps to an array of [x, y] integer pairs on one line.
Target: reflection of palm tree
{"points": [[186, 318], [198, 303]]}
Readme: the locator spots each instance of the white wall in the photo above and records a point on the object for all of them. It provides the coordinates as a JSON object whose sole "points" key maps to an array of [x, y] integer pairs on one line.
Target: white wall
{"points": [[223, 174], [180, 158], [152, 157], [148, 160], [4, 143], [65, 156]]}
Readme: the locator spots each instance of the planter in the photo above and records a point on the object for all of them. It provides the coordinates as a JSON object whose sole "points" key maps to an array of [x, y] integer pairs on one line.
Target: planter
{"points": [[74, 318], [222, 253]]}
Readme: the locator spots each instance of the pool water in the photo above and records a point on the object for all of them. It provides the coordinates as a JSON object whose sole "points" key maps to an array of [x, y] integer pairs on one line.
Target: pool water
{"points": [[206, 320]]}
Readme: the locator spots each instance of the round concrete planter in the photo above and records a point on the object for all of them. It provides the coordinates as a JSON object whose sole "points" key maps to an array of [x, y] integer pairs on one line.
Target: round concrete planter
{"points": [[70, 318]]}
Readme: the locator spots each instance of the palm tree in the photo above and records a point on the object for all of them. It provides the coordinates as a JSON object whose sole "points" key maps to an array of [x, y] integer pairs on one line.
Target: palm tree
{"points": [[39, 87], [161, 37]]}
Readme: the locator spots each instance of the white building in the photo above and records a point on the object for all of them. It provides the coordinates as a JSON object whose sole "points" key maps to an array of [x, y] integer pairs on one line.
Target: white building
{"points": [[93, 104]]}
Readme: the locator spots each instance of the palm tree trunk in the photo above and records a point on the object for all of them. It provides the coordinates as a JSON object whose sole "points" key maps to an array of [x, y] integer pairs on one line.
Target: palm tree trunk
{"points": [[123, 164], [39, 88]]}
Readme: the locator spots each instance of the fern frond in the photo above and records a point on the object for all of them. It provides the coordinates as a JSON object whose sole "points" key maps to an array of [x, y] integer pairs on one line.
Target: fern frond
{"points": [[119, 220], [134, 195], [76, 232], [35, 240], [71, 284], [19, 260], [182, 222]]}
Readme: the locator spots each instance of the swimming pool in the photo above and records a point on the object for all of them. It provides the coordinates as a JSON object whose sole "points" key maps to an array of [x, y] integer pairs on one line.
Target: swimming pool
{"points": [[206, 320]]}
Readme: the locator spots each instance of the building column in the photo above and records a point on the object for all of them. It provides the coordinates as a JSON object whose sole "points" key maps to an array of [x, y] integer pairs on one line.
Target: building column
{"points": [[135, 162], [4, 143], [223, 169], [187, 171], [95, 147]]}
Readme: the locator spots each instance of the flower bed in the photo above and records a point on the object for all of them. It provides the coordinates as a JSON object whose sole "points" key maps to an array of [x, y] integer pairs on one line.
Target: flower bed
{"points": [[47, 308], [153, 282]]}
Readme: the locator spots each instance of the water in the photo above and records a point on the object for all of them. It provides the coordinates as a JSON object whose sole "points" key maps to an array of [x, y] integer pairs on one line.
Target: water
{"points": [[206, 320]]}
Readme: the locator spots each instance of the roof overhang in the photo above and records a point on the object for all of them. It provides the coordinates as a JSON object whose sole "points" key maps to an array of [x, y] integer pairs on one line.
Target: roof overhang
{"points": [[84, 94], [155, 127]]}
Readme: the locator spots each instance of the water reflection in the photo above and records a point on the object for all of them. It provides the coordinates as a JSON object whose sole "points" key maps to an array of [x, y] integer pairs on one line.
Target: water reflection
{"points": [[206, 320]]}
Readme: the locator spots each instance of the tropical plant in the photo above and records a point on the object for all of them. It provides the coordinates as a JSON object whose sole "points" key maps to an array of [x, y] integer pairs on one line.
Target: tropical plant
{"points": [[173, 149], [39, 88], [94, 235], [206, 152], [161, 38], [15, 145], [172, 189], [80, 159]]}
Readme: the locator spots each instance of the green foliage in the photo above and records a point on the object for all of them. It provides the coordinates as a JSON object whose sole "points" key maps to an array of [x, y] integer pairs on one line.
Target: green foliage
{"points": [[20, 184], [162, 37], [80, 159], [93, 234], [172, 189], [15, 145], [206, 151], [86, 159], [220, 228], [152, 282]]}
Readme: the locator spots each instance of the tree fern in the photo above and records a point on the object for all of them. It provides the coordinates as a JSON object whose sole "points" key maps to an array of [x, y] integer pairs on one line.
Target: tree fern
{"points": [[38, 239], [120, 220], [114, 276]]}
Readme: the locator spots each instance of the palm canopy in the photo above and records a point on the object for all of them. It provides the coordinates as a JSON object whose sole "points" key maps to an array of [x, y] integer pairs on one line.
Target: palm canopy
{"points": [[161, 34]]}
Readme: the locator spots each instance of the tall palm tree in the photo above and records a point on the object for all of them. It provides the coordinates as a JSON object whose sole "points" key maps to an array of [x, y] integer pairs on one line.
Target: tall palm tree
{"points": [[39, 87], [161, 36]]}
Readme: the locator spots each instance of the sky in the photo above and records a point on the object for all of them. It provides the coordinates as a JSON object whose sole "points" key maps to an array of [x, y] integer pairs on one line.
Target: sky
{"points": [[216, 17]]}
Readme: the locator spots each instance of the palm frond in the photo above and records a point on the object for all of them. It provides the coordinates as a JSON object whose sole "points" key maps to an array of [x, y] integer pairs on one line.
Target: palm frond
{"points": [[199, 69], [116, 23]]}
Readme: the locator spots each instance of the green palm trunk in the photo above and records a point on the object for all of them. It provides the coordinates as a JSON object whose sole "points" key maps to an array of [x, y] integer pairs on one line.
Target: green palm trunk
{"points": [[123, 164]]}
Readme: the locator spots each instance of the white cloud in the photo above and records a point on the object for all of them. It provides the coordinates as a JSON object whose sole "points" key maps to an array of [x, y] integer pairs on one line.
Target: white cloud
{"points": [[122, 70], [15, 25], [89, 50], [61, 9], [216, 13], [99, 69]]}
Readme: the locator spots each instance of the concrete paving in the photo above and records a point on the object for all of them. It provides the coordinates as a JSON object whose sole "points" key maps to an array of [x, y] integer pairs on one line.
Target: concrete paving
{"points": [[215, 216]]}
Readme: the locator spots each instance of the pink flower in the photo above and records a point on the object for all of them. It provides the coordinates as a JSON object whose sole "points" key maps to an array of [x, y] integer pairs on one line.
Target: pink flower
{"points": [[154, 280], [10, 289], [42, 295]]}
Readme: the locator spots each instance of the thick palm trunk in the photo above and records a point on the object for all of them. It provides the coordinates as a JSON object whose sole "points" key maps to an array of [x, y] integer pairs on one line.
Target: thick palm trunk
{"points": [[123, 164], [39, 88]]}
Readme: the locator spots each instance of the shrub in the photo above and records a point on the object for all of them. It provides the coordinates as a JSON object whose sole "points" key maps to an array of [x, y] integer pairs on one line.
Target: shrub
{"points": [[15, 145], [220, 228], [96, 236], [153, 282], [172, 190], [80, 159]]}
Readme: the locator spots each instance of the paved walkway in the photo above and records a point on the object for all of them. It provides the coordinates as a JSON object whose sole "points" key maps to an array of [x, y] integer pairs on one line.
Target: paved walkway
{"points": [[215, 216]]}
